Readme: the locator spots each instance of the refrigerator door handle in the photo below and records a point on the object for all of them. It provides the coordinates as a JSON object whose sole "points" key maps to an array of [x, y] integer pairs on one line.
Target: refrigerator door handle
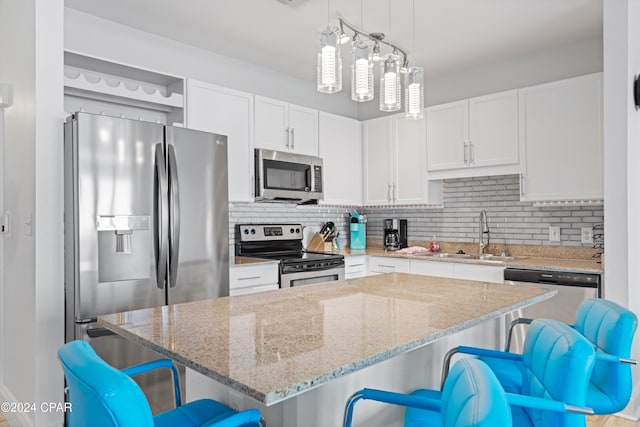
{"points": [[161, 216], [174, 216]]}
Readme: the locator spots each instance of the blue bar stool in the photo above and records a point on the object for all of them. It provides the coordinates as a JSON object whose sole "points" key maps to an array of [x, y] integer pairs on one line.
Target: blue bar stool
{"points": [[557, 363], [610, 329], [472, 397], [102, 396]]}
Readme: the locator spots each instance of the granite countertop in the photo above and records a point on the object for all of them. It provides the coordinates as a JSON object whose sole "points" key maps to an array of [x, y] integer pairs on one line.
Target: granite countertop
{"points": [[245, 260], [274, 345], [538, 262]]}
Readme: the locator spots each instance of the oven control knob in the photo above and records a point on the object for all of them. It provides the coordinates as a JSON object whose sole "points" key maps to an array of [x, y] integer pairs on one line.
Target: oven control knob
{"points": [[253, 231], [291, 231], [246, 231], [297, 231]]}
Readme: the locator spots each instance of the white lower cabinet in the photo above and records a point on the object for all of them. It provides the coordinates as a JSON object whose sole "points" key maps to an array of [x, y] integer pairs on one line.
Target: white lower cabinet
{"points": [[383, 264], [481, 273], [431, 268], [355, 266], [248, 279]]}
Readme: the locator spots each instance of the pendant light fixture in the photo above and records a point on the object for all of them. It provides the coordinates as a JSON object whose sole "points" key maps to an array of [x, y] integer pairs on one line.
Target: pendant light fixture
{"points": [[361, 67], [414, 84], [390, 78], [390, 83], [329, 72], [394, 67], [361, 72]]}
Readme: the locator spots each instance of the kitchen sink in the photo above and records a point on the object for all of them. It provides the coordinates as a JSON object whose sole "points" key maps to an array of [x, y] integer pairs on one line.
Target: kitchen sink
{"points": [[479, 257]]}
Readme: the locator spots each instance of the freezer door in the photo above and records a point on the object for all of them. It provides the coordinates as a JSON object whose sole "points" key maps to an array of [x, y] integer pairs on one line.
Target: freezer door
{"points": [[112, 217], [198, 215]]}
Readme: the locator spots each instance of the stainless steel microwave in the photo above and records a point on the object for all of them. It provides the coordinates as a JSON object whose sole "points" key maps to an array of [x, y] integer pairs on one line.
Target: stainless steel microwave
{"points": [[287, 177]]}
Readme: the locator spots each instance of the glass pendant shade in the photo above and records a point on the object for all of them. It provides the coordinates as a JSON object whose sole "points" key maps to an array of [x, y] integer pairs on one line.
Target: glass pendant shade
{"points": [[329, 71], [414, 93], [361, 73], [390, 83]]}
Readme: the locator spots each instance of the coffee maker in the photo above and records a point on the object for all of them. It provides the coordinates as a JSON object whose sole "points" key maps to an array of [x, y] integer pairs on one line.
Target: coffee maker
{"points": [[395, 234]]}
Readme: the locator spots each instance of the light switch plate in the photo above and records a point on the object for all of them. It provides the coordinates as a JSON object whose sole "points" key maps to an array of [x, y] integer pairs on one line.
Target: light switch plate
{"points": [[554, 233], [587, 234]]}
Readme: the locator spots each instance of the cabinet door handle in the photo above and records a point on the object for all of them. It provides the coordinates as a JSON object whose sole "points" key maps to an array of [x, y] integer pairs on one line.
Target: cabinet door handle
{"points": [[395, 193], [521, 185], [472, 153], [465, 153], [249, 278], [286, 137], [389, 193], [293, 138]]}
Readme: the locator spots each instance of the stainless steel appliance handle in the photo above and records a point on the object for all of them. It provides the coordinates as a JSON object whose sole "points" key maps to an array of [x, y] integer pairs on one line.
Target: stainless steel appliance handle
{"points": [[174, 216], [161, 216], [293, 138], [99, 332]]}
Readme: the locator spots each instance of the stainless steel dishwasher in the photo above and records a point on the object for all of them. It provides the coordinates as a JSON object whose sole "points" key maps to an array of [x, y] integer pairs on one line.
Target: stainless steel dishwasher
{"points": [[572, 287]]}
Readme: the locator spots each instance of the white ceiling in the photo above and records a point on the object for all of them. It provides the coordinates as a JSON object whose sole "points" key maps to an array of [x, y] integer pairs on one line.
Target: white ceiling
{"points": [[450, 35]]}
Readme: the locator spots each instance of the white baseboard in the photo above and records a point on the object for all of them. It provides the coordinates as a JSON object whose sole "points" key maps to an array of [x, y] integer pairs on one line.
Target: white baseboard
{"points": [[15, 419]]}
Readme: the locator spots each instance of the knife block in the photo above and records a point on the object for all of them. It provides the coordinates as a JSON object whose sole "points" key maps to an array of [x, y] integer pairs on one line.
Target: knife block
{"points": [[316, 243]]}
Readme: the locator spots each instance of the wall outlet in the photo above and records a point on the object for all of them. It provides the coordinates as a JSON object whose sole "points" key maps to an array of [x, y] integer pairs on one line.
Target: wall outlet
{"points": [[587, 234], [554, 233], [236, 401]]}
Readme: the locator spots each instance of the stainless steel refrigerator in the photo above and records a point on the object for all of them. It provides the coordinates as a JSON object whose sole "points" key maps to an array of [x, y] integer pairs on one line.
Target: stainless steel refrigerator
{"points": [[146, 224]]}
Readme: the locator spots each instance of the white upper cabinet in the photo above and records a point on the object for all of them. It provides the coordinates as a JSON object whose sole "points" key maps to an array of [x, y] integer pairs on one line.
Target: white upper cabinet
{"points": [[474, 137], [561, 140], [377, 161], [341, 153], [409, 146], [493, 129], [395, 161], [447, 135], [281, 126], [228, 112]]}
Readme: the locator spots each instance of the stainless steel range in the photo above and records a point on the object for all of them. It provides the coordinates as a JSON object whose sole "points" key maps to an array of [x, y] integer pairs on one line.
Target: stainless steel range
{"points": [[284, 242]]}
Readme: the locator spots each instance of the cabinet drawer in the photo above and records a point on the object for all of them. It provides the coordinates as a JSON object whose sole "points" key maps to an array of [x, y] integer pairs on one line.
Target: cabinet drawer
{"points": [[253, 289], [354, 265], [248, 276], [388, 265]]}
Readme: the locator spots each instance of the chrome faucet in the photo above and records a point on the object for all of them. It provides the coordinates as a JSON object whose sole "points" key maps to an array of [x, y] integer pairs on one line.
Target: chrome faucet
{"points": [[484, 231]]}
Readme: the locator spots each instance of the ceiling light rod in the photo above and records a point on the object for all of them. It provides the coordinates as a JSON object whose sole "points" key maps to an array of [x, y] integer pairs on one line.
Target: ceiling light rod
{"points": [[374, 37]]}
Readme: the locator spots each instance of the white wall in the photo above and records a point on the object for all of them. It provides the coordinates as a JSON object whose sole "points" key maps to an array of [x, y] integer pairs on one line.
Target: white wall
{"points": [[621, 156], [31, 60], [98, 37], [561, 62]]}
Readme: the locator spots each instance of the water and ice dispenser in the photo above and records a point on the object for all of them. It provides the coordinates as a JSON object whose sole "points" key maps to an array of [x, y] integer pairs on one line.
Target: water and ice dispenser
{"points": [[124, 247]]}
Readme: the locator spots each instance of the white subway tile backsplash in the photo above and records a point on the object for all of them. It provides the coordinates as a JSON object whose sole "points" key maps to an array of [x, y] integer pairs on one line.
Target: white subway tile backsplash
{"points": [[510, 220]]}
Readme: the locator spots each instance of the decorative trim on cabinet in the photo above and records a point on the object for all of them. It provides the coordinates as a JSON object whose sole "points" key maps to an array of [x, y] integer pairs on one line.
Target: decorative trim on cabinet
{"points": [[570, 203]]}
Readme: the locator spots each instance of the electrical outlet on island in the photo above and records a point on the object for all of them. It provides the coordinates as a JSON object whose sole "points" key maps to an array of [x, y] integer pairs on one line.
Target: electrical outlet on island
{"points": [[554, 233]]}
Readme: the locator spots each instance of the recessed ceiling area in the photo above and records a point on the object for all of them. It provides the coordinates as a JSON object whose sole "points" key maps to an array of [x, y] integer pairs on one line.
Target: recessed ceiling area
{"points": [[449, 35]]}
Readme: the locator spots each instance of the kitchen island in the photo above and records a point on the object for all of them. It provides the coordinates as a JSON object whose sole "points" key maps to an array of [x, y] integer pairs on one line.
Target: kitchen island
{"points": [[287, 349]]}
